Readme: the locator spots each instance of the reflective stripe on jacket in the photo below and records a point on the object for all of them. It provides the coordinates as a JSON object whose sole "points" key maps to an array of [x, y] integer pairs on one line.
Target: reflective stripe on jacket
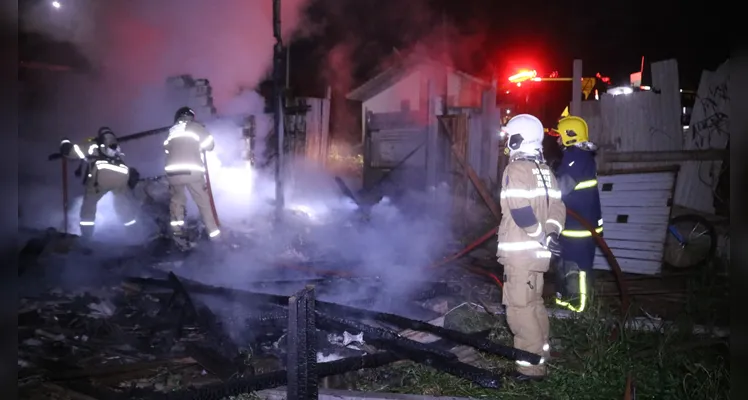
{"points": [[184, 147], [531, 208], [96, 158]]}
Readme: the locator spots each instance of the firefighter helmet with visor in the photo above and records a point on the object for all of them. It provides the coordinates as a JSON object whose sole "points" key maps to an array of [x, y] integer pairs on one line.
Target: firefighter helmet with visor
{"points": [[524, 134], [106, 138], [573, 130], [184, 114]]}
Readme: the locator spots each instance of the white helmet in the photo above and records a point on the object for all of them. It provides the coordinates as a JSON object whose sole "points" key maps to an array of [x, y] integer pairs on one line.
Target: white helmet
{"points": [[524, 134]]}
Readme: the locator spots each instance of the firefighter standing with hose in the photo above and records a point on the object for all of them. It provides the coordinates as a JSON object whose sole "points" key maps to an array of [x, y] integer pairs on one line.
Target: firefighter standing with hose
{"points": [[577, 178], [104, 170], [185, 169], [533, 215]]}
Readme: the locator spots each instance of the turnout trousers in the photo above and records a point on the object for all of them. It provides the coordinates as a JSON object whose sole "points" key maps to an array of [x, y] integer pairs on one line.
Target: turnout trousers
{"points": [[525, 312], [195, 184], [580, 251], [97, 186]]}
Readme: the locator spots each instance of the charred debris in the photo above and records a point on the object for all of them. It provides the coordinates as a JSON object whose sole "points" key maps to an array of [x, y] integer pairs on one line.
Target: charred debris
{"points": [[154, 333], [154, 336]]}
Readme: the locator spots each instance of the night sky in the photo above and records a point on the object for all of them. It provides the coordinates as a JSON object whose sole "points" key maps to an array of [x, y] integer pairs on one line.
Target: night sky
{"points": [[611, 37], [487, 37]]}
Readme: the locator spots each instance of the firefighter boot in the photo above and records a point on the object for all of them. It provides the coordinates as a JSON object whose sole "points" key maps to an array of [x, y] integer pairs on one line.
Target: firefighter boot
{"points": [[572, 293], [87, 231]]}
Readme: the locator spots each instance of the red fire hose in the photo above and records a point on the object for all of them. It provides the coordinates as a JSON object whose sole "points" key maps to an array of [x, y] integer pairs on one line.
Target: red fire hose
{"points": [[615, 267], [612, 261], [210, 190]]}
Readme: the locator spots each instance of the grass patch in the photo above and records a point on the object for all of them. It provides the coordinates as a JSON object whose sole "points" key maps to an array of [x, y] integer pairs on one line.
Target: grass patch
{"points": [[668, 365]]}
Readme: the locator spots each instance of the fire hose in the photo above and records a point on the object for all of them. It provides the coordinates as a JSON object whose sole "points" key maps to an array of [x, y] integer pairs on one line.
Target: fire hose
{"points": [[613, 262], [614, 266], [65, 195], [210, 190]]}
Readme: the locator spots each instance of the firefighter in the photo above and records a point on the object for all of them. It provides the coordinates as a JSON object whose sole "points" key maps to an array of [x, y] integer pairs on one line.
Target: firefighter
{"points": [[533, 215], [104, 171], [185, 169], [577, 178]]}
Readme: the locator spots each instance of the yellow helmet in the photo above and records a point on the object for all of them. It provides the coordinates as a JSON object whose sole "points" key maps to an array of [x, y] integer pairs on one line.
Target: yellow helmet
{"points": [[573, 130]]}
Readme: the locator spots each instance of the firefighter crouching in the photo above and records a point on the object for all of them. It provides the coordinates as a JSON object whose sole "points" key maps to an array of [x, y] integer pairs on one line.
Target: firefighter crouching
{"points": [[533, 215], [104, 171], [185, 169], [577, 178]]}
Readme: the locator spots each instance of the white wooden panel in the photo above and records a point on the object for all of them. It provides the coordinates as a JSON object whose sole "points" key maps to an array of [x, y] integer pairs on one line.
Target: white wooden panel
{"points": [[665, 178], [636, 212], [652, 198], [653, 212], [654, 233], [618, 187], [639, 254], [634, 236], [618, 244], [630, 266], [610, 215]]}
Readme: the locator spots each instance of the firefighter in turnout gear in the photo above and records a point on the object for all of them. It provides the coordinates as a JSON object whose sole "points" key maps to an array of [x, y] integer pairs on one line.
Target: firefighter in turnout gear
{"points": [[577, 178], [185, 169], [104, 171], [533, 215]]}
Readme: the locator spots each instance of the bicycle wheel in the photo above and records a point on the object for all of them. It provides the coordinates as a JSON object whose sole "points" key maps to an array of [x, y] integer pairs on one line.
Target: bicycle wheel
{"points": [[691, 241]]}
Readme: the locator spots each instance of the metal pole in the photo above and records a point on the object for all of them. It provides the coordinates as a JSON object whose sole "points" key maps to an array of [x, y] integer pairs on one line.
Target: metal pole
{"points": [[576, 89], [278, 105], [288, 66], [65, 195]]}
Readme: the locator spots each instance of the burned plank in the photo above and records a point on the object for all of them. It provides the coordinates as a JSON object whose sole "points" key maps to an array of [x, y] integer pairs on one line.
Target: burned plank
{"points": [[218, 391], [181, 292], [212, 362], [388, 337], [456, 336], [65, 392], [208, 322], [302, 346], [451, 366], [340, 323], [110, 370]]}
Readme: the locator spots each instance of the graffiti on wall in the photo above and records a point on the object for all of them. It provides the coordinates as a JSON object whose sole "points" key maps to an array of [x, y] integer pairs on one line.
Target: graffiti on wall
{"points": [[712, 128]]}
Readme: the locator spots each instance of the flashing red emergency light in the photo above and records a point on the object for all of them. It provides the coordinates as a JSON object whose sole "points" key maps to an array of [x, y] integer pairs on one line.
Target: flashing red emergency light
{"points": [[522, 76], [605, 79]]}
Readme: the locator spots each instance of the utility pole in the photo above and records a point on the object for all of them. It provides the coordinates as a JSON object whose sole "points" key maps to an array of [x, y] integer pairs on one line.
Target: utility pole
{"points": [[278, 108], [575, 108]]}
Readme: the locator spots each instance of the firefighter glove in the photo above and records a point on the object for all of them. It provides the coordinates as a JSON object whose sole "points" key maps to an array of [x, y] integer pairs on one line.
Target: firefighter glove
{"points": [[553, 245], [133, 177]]}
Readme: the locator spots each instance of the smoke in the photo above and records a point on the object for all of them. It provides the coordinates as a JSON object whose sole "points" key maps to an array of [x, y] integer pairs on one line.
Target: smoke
{"points": [[132, 47], [135, 45], [377, 34]]}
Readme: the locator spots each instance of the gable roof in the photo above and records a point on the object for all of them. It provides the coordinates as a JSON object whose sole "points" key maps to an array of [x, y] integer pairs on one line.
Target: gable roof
{"points": [[402, 67]]}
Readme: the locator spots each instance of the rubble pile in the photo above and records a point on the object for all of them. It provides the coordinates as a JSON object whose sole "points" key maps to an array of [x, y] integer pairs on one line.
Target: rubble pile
{"points": [[151, 337]]}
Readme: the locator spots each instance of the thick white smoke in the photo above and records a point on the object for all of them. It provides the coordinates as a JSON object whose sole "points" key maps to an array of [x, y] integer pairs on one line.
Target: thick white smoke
{"points": [[133, 46]]}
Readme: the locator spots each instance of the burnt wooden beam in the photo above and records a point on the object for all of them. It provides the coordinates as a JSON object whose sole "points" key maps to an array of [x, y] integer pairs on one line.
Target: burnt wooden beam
{"points": [[301, 356]]}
